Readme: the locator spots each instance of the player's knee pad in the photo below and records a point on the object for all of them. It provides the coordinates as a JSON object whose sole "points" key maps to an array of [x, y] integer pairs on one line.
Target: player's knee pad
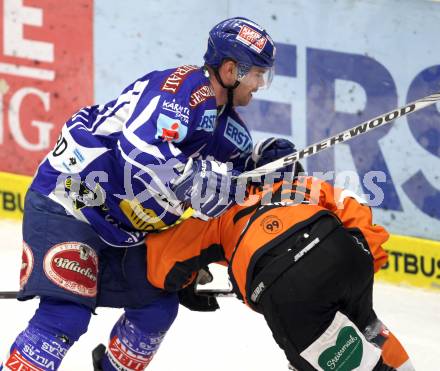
{"points": [[137, 335], [53, 329], [393, 353], [342, 346]]}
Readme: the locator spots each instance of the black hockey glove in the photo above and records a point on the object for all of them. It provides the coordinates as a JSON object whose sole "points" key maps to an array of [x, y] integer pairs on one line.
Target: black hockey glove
{"points": [[200, 303], [272, 149]]}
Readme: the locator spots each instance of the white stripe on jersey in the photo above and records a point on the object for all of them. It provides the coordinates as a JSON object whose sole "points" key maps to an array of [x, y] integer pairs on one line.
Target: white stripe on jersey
{"points": [[81, 115], [59, 196], [137, 142], [144, 116], [174, 150], [113, 124], [138, 87], [132, 97], [83, 155]]}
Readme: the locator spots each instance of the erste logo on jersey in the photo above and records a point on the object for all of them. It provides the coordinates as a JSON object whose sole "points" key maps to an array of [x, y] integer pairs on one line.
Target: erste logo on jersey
{"points": [[207, 121], [74, 267], [170, 129], [238, 135], [200, 95], [252, 38], [174, 81], [27, 264]]}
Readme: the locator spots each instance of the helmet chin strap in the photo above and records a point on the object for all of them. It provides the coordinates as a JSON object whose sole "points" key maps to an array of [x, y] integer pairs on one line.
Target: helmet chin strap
{"points": [[230, 102], [230, 88]]}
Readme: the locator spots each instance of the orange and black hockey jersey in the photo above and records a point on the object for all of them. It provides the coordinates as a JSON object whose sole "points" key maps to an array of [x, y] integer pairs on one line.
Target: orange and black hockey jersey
{"points": [[174, 255]]}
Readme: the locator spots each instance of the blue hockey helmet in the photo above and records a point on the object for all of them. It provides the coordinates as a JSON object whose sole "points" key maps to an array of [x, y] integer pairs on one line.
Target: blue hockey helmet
{"points": [[243, 41]]}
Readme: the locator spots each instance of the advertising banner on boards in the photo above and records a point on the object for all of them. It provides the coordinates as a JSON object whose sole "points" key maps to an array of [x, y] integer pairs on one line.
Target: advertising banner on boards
{"points": [[46, 74]]}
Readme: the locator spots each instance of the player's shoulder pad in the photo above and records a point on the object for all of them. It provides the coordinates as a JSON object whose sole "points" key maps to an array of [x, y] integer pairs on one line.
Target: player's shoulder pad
{"points": [[193, 91], [189, 82], [176, 79]]}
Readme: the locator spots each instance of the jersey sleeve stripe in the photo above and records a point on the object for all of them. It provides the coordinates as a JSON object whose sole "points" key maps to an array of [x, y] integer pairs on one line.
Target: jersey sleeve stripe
{"points": [[144, 116], [175, 152], [127, 100], [140, 120]]}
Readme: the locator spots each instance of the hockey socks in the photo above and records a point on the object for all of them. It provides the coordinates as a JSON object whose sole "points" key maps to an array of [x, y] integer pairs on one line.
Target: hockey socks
{"points": [[137, 335], [129, 348], [393, 353], [54, 328], [36, 349]]}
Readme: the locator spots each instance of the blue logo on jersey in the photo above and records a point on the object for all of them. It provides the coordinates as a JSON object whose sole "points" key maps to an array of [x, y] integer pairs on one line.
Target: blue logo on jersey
{"points": [[170, 129], [207, 122], [238, 135]]}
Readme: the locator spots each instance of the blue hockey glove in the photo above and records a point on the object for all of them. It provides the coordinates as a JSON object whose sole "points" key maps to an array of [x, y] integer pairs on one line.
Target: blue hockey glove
{"points": [[207, 186]]}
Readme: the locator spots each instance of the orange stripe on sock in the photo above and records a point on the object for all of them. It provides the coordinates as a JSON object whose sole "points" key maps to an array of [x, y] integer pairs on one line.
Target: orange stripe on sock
{"points": [[393, 353]]}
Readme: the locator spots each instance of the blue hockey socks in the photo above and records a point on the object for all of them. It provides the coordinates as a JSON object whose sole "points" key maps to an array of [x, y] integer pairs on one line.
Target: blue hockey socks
{"points": [[53, 329], [137, 335]]}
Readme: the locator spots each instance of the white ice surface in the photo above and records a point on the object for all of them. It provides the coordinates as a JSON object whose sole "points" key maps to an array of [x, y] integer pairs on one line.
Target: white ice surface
{"points": [[234, 338]]}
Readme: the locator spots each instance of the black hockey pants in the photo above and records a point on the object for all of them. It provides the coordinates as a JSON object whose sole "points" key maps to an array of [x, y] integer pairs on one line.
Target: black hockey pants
{"points": [[336, 275]]}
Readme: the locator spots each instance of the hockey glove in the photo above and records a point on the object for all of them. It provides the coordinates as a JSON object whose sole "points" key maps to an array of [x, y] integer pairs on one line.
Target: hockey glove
{"points": [[271, 149], [207, 186], [200, 303]]}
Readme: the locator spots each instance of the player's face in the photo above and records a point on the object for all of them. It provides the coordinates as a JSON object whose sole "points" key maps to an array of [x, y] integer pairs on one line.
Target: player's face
{"points": [[254, 80]]}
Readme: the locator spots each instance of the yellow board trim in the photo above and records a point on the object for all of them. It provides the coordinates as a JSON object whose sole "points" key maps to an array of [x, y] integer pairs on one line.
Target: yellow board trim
{"points": [[13, 188], [413, 262]]}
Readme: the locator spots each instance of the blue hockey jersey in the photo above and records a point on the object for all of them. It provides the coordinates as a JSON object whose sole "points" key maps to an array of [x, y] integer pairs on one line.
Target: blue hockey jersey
{"points": [[112, 164]]}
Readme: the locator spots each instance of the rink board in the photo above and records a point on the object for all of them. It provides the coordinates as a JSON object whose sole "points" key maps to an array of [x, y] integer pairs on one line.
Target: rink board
{"points": [[412, 261], [12, 191]]}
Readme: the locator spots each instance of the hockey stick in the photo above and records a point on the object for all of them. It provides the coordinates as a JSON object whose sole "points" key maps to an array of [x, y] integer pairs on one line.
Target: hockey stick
{"points": [[218, 293], [207, 292], [311, 150], [8, 294], [343, 136]]}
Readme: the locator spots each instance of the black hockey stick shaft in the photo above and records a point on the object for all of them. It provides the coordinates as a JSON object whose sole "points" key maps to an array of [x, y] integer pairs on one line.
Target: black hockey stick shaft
{"points": [[8, 294], [343, 136], [210, 292], [218, 293]]}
